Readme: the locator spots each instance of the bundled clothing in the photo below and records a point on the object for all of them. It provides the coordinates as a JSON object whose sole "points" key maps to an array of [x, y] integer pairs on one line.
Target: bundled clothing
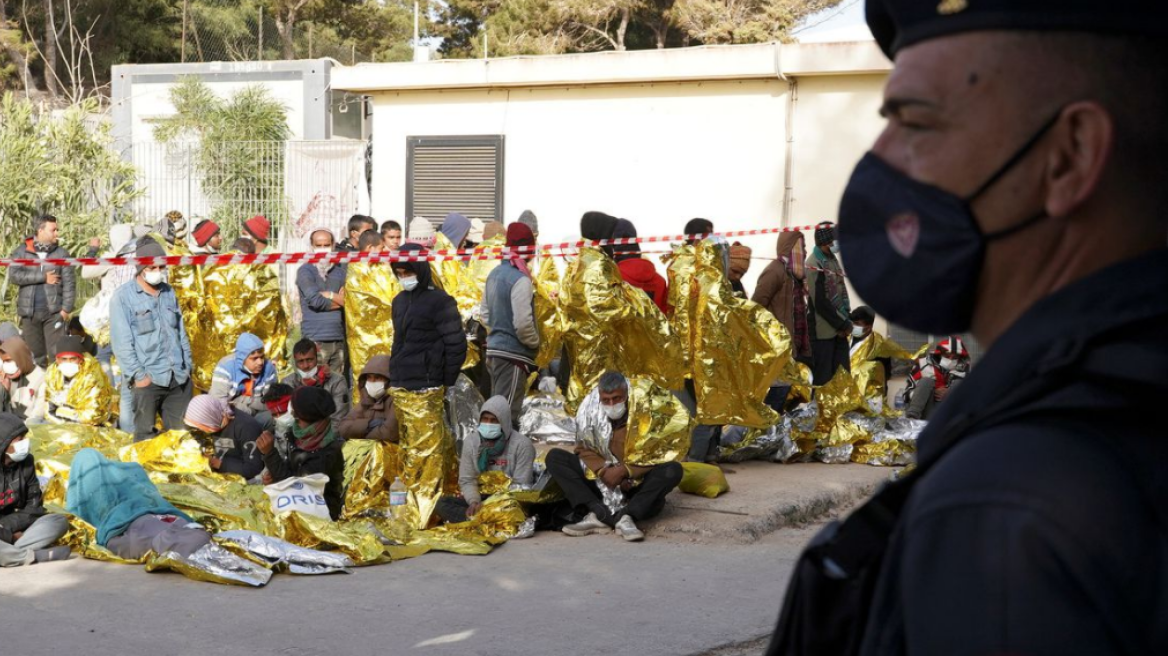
{"points": [[21, 503], [781, 290], [328, 380], [20, 397], [316, 449], [636, 270], [38, 304], [371, 419], [238, 386], [429, 343], [512, 454]]}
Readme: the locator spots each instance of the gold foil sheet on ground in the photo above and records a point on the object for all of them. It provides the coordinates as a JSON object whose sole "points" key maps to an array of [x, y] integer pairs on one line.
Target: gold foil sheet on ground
{"points": [[740, 348], [239, 299], [837, 397], [429, 464], [370, 467], [369, 293], [90, 400], [889, 453], [609, 324], [546, 281]]}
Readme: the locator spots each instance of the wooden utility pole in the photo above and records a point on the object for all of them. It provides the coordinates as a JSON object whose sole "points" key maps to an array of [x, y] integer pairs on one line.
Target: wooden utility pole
{"points": [[184, 33], [260, 54], [310, 40]]}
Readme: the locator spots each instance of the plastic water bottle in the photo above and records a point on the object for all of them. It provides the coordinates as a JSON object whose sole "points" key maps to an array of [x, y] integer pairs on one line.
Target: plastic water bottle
{"points": [[397, 497]]}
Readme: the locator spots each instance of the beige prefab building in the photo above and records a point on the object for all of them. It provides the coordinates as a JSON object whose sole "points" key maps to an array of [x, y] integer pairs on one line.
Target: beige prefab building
{"points": [[749, 136]]}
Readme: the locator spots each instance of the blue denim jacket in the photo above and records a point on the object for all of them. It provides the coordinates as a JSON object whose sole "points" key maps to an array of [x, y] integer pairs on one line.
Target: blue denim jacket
{"points": [[148, 335]]}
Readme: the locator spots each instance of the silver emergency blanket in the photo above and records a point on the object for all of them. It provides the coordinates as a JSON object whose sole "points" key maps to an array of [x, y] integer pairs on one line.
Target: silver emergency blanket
{"points": [[464, 405], [215, 564], [594, 432], [544, 417], [285, 555]]}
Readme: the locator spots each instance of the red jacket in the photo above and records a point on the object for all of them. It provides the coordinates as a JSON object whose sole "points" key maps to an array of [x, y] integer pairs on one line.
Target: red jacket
{"points": [[641, 273]]}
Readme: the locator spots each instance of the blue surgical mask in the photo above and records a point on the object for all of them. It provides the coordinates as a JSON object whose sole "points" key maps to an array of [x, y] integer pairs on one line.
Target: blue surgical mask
{"points": [[914, 251], [490, 431]]}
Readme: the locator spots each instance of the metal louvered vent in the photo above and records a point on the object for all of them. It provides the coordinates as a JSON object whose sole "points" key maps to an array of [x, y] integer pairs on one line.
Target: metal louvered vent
{"points": [[455, 174]]}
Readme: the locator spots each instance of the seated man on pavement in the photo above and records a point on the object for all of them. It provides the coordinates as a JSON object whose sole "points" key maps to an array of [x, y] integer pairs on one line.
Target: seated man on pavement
{"points": [[241, 378], [76, 390], [644, 488], [373, 418], [310, 371], [935, 376], [20, 378], [278, 400], [26, 531], [316, 449], [495, 447], [229, 436]]}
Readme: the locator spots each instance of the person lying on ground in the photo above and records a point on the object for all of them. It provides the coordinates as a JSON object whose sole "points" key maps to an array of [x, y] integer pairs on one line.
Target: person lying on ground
{"points": [[26, 531], [229, 437], [644, 488], [316, 449], [496, 446], [129, 514], [373, 418]]}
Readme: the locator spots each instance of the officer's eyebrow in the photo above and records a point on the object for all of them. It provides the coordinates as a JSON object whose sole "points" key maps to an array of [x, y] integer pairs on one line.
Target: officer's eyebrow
{"points": [[892, 106]]}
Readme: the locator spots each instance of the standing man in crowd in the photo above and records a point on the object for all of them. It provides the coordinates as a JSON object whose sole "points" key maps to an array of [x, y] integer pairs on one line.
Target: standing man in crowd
{"points": [[508, 312], [47, 292], [208, 238], [830, 307], [311, 372], [358, 224], [636, 270], [258, 230], [429, 343], [151, 345], [322, 302]]}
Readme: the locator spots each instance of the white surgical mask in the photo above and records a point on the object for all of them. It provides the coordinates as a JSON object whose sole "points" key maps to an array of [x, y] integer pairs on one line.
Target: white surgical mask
{"points": [[408, 283], [835, 248], [615, 411], [948, 364], [311, 373], [69, 369], [21, 451], [154, 278], [11, 369], [857, 331], [375, 388], [284, 422]]}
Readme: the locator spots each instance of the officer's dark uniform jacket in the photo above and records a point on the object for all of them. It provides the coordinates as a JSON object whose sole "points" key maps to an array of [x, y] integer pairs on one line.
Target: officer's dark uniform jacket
{"points": [[1046, 533]]}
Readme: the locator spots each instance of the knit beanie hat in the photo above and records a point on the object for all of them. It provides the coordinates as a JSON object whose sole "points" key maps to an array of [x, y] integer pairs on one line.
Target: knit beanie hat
{"points": [[824, 233], [493, 229], [519, 234], [476, 231], [70, 345], [312, 404], [739, 260], [258, 227], [204, 231], [147, 247], [528, 219]]}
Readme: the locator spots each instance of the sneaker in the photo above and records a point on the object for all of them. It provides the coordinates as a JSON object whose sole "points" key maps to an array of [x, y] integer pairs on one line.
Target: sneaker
{"points": [[48, 555], [589, 525], [628, 530]]}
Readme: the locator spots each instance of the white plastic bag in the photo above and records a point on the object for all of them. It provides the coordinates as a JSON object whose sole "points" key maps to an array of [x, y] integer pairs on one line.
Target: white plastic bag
{"points": [[304, 494], [95, 313]]}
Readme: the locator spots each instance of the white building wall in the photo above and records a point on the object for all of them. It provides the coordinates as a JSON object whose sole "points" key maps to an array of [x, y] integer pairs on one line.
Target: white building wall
{"points": [[151, 101]]}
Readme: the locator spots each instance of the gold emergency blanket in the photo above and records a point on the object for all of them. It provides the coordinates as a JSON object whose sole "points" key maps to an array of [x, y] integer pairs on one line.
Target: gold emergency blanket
{"points": [[238, 299], [429, 465], [740, 348], [370, 467], [659, 427], [369, 293], [176, 463], [868, 372], [609, 324], [89, 399], [683, 297], [458, 280], [187, 282], [546, 281]]}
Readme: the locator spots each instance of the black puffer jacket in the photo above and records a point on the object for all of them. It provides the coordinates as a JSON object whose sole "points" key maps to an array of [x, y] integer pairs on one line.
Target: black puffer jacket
{"points": [[20, 492], [429, 343], [58, 297]]}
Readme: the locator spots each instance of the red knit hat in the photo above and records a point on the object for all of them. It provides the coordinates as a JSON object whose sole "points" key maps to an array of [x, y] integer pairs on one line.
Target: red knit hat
{"points": [[258, 227], [205, 231], [519, 234]]}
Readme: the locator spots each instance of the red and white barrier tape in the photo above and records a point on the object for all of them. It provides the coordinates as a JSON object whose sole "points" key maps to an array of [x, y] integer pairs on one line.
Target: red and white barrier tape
{"points": [[266, 259]]}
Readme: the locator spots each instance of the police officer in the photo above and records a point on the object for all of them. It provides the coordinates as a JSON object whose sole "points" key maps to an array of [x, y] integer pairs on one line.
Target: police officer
{"points": [[1019, 186]]}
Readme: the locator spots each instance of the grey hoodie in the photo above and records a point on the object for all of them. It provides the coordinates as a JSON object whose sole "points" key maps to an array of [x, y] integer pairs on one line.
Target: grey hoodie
{"points": [[517, 459]]}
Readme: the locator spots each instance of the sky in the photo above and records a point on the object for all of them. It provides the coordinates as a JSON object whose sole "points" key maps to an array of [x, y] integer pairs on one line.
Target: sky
{"points": [[843, 22]]}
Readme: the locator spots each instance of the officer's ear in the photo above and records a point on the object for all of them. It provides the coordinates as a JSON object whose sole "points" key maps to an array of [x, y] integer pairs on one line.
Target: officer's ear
{"points": [[1080, 147]]}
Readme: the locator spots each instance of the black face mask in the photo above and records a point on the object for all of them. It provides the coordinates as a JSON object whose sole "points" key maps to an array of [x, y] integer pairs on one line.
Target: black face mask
{"points": [[914, 251]]}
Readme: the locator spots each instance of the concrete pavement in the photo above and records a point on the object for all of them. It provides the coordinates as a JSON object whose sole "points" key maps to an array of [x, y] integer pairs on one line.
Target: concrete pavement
{"points": [[701, 581]]}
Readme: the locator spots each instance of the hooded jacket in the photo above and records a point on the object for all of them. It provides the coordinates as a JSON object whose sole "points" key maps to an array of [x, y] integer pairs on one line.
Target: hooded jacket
{"points": [[20, 491], [21, 397], [777, 287], [516, 461], [429, 343], [58, 297], [456, 227], [380, 412], [242, 389], [598, 225]]}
